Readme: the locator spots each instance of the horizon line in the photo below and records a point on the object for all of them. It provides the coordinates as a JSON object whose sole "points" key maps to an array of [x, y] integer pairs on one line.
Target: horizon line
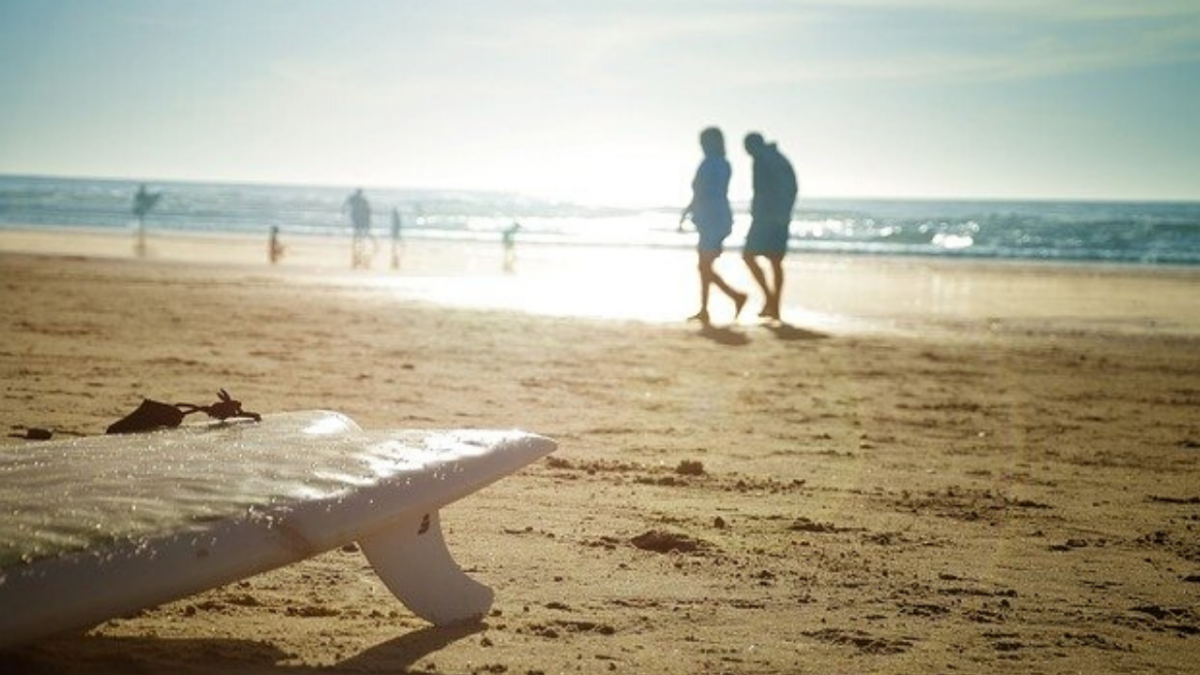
{"points": [[645, 207]]}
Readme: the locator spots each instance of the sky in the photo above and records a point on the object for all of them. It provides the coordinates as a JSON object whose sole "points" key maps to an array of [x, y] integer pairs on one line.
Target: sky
{"points": [[601, 101]]}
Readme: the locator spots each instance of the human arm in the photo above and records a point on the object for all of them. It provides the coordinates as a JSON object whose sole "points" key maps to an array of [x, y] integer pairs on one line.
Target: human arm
{"points": [[696, 189], [683, 215]]}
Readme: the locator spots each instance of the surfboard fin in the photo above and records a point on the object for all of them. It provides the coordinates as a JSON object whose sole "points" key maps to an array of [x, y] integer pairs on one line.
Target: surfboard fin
{"points": [[412, 560]]}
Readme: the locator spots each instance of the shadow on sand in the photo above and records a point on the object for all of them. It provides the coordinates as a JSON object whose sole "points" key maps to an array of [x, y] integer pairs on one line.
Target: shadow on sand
{"points": [[104, 654], [724, 335], [731, 337], [398, 654], [788, 332]]}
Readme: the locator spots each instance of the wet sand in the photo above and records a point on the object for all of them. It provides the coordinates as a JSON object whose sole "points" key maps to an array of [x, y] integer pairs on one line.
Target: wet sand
{"points": [[933, 467]]}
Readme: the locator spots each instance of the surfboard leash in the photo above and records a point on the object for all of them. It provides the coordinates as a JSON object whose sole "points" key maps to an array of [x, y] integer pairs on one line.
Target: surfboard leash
{"points": [[153, 414]]}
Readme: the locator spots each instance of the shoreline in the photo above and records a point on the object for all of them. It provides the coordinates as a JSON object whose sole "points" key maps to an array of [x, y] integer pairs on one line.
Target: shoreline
{"points": [[19, 238], [825, 292]]}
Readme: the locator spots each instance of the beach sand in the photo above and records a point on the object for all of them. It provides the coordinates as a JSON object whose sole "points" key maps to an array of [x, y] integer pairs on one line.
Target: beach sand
{"points": [[933, 467]]}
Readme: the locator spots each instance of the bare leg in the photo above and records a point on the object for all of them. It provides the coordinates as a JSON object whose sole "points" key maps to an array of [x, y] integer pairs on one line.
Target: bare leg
{"points": [[708, 277], [738, 298], [760, 277], [705, 266], [777, 269]]}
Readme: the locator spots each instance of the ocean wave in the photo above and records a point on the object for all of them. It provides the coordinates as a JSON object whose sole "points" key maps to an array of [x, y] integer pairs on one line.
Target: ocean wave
{"points": [[1142, 233]]}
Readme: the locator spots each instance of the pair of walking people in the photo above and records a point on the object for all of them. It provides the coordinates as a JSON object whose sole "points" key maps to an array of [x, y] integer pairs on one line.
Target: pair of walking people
{"points": [[770, 211]]}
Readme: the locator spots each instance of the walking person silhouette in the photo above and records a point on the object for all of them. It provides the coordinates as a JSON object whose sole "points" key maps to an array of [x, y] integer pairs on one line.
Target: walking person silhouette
{"points": [[771, 214], [143, 202], [396, 227], [713, 218], [360, 220]]}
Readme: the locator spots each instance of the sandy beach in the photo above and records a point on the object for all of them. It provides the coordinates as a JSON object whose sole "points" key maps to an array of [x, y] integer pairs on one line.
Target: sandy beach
{"points": [[932, 466]]}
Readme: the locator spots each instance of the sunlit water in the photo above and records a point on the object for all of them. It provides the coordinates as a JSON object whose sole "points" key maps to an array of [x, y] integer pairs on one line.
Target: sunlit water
{"points": [[647, 285], [636, 264], [1142, 233]]}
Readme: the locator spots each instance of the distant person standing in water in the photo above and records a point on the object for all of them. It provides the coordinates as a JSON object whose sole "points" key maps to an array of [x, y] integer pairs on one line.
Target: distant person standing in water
{"points": [[143, 202], [360, 219], [771, 214], [713, 219], [396, 225]]}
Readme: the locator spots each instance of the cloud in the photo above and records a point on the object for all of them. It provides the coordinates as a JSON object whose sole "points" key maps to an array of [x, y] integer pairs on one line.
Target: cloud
{"points": [[1085, 10], [1038, 57], [780, 41], [957, 41]]}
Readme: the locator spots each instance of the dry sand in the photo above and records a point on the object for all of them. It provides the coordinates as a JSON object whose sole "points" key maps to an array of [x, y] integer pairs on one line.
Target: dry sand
{"points": [[936, 467]]}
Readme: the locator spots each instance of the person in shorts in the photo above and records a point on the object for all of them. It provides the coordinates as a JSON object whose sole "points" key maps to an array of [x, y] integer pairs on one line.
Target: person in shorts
{"points": [[360, 220], [713, 218], [771, 214]]}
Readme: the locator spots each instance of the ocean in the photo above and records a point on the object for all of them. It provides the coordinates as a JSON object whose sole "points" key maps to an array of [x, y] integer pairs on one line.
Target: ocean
{"points": [[1140, 233]]}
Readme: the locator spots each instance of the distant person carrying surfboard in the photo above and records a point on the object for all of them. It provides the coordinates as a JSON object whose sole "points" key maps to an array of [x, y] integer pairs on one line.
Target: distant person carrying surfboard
{"points": [[143, 202], [771, 213], [713, 218]]}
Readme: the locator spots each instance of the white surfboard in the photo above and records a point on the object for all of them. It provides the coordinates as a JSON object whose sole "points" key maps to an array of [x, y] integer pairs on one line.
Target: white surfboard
{"points": [[98, 527]]}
